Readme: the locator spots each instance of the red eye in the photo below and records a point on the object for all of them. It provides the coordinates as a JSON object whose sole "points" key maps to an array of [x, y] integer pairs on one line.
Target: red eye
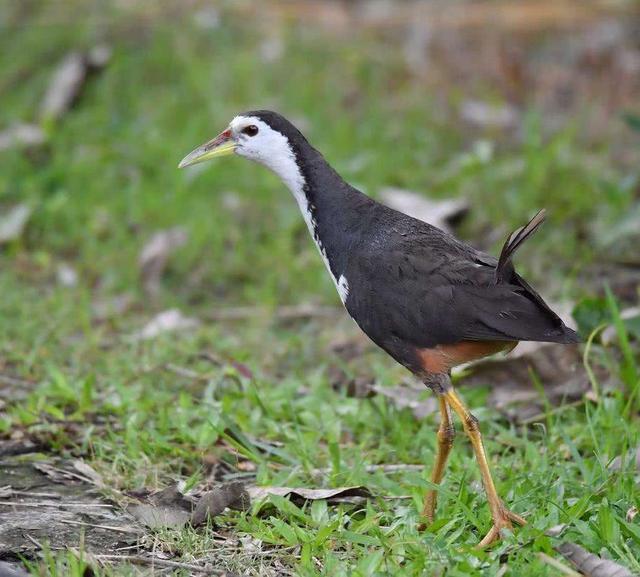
{"points": [[250, 130]]}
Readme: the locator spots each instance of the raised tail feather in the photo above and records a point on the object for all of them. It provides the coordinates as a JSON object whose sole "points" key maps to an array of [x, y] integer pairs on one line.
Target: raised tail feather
{"points": [[513, 243]]}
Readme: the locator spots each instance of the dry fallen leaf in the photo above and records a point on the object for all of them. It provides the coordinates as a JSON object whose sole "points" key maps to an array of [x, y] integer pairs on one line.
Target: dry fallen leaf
{"points": [[155, 255], [66, 275], [110, 307], [631, 514], [88, 472], [339, 494], [58, 474], [22, 136], [559, 369], [591, 565], [610, 334], [441, 213], [13, 221], [69, 78], [410, 397], [214, 502], [486, 115], [167, 508], [99, 56], [166, 322], [632, 457], [64, 87], [359, 387]]}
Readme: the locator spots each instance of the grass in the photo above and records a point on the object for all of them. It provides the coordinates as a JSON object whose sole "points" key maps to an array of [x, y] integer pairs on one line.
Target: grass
{"points": [[108, 180]]}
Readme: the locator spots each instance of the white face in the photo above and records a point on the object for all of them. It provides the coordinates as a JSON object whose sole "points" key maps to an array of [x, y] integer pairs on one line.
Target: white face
{"points": [[257, 141]]}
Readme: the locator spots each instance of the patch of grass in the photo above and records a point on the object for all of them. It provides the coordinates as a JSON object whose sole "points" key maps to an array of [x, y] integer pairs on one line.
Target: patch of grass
{"points": [[108, 180]]}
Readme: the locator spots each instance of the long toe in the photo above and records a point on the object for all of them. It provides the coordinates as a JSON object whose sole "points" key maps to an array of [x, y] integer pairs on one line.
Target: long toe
{"points": [[495, 533], [515, 518], [504, 521]]}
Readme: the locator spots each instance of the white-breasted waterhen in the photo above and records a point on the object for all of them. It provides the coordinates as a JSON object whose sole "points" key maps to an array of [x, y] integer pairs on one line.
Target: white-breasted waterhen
{"points": [[427, 299]]}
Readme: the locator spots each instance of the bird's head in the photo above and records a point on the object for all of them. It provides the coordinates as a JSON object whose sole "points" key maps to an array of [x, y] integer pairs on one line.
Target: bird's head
{"points": [[263, 136]]}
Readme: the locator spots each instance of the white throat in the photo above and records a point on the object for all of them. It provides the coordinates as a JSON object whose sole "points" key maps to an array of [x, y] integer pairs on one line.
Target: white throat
{"points": [[272, 149]]}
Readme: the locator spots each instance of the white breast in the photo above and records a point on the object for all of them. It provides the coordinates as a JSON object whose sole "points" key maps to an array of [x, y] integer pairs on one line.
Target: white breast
{"points": [[276, 154]]}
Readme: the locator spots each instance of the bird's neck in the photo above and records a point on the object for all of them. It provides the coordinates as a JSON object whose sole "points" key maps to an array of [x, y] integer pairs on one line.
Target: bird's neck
{"points": [[331, 208]]}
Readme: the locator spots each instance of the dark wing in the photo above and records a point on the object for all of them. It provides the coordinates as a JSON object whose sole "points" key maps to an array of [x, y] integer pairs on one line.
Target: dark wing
{"points": [[433, 289]]}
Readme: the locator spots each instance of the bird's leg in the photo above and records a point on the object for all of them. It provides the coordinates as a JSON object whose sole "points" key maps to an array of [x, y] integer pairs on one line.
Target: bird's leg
{"points": [[502, 517], [446, 434]]}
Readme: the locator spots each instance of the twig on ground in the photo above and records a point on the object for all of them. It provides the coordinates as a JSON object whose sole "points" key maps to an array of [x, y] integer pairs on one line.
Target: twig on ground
{"points": [[96, 526], [60, 505], [33, 540], [140, 560], [11, 492]]}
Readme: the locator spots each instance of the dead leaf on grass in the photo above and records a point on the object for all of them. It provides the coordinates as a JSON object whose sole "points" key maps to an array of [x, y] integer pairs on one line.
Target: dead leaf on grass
{"points": [[166, 322], [155, 255], [559, 369], [13, 222], [88, 472], [591, 565], [171, 508], [66, 275], [64, 87], [633, 457], [214, 502], [487, 115], [58, 474], [110, 307], [631, 316], [358, 387], [167, 508], [69, 78], [441, 213], [301, 494], [417, 398], [98, 57], [619, 243], [631, 514], [22, 135]]}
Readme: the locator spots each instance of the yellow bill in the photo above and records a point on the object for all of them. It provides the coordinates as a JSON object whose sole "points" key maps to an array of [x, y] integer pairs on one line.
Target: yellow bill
{"points": [[221, 145]]}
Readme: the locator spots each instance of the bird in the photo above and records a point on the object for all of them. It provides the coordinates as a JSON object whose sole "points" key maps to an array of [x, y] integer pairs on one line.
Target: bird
{"points": [[424, 297]]}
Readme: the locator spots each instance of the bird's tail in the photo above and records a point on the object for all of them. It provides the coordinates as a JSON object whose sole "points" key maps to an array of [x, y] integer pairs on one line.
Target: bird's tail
{"points": [[514, 242]]}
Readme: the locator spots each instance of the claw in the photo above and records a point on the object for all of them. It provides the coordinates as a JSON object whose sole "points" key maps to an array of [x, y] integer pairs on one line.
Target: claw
{"points": [[504, 521]]}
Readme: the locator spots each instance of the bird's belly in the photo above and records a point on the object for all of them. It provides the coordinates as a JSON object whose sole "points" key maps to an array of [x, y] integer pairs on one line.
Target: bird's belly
{"points": [[442, 358]]}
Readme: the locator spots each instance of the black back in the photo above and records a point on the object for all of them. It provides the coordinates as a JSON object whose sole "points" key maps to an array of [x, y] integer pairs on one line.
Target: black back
{"points": [[411, 285]]}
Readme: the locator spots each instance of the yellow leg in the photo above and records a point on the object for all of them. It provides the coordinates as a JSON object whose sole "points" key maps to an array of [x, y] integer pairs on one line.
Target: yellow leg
{"points": [[446, 434], [502, 517]]}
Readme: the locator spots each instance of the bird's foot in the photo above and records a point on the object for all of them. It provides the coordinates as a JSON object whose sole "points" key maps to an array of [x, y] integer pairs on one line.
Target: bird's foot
{"points": [[504, 520]]}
